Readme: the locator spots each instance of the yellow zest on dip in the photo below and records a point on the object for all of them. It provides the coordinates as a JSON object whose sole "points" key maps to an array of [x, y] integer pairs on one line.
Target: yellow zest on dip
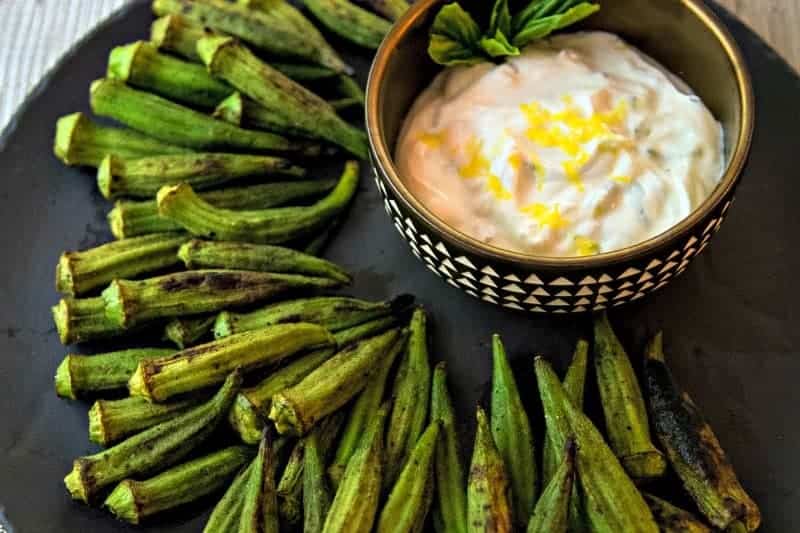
{"points": [[580, 145]]}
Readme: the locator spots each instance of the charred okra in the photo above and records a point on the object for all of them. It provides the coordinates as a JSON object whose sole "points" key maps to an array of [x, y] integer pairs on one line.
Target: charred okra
{"points": [[186, 332], [488, 488], [552, 509], [350, 22], [112, 420], [672, 519]]}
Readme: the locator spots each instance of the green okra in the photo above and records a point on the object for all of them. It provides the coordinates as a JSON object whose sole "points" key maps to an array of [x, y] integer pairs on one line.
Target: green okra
{"points": [[552, 510], [153, 449], [267, 29], [228, 510], [317, 245], [410, 392], [144, 177], [80, 272], [132, 218], [186, 332], [205, 365], [197, 292], [317, 495], [83, 319], [231, 110], [79, 141], [450, 510], [672, 519], [512, 435], [363, 411], [300, 72], [334, 312], [350, 22], [141, 65], [391, 9], [112, 420], [346, 337], [345, 103], [356, 501], [488, 487], [276, 225], [291, 105], [133, 501], [612, 503], [408, 503], [694, 450], [179, 35], [259, 257], [349, 88], [78, 375], [260, 500], [623, 405], [162, 119], [331, 385]]}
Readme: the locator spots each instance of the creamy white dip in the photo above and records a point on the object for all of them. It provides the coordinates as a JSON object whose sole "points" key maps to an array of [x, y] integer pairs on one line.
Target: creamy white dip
{"points": [[580, 145]]}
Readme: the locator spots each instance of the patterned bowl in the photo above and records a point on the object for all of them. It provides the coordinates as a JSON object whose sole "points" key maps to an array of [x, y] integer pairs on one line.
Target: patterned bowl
{"points": [[685, 37]]}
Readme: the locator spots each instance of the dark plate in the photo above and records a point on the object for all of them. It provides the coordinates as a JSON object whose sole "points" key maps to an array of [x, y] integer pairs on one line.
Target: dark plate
{"points": [[728, 318]]}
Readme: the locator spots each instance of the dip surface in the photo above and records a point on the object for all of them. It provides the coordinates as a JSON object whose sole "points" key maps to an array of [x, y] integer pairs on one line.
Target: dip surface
{"points": [[580, 145]]}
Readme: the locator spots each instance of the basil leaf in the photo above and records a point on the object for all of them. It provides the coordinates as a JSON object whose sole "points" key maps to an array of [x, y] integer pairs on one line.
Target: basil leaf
{"points": [[455, 37], [500, 20], [542, 27], [498, 46]]}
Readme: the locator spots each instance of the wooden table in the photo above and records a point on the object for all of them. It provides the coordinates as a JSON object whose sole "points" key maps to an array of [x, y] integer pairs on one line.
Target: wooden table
{"points": [[775, 20]]}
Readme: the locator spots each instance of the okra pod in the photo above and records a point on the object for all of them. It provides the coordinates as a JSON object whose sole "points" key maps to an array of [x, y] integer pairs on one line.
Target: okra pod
{"points": [[141, 65], [331, 385], [133, 501], [80, 272], [267, 29], [83, 319], [410, 392], [300, 72], [165, 120], [317, 245], [79, 141], [276, 225], [627, 426], [334, 312], [186, 332], [292, 105], [197, 292], [153, 449], [693, 449], [207, 364], [133, 218], [317, 495], [179, 35], [512, 435], [451, 497], [391, 9], [552, 510], [228, 511], [488, 487], [344, 103], [346, 337], [355, 504], [144, 177], [672, 519], [612, 502], [112, 420], [350, 22], [349, 88], [410, 499], [363, 411], [78, 375], [259, 257], [260, 505]]}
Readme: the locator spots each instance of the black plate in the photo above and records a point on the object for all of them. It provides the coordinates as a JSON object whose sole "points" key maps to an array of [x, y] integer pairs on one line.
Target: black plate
{"points": [[727, 318]]}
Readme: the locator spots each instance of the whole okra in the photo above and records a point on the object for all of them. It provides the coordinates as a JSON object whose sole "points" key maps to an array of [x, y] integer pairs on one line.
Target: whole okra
{"points": [[623, 405], [266, 226], [672, 519], [133, 218], [488, 487], [133, 501], [292, 104], [391, 9], [79, 141], [552, 510], [410, 393], [207, 364], [151, 450], [112, 420], [186, 332], [694, 450], [260, 500], [144, 177], [259, 257], [78, 375], [197, 292], [80, 272], [331, 385], [512, 435], [83, 319], [350, 22]]}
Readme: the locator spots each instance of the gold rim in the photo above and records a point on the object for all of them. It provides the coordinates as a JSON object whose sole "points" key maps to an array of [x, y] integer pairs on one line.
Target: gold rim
{"points": [[383, 161]]}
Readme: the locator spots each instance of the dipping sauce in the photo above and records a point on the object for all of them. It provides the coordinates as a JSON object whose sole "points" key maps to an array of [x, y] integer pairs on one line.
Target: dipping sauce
{"points": [[580, 145]]}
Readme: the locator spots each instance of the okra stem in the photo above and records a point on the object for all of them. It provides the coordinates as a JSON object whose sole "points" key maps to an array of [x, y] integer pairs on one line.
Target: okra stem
{"points": [[350, 22], [134, 501], [207, 364], [391, 9], [179, 35], [186, 332], [83, 319], [488, 488], [672, 519], [112, 420]]}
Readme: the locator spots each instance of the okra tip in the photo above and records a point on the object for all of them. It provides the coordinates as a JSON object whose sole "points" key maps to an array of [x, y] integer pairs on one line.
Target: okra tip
{"points": [[655, 348], [63, 380], [160, 29], [61, 317], [79, 485], [223, 325], [105, 176], [121, 59], [122, 502], [97, 429], [67, 128], [645, 465]]}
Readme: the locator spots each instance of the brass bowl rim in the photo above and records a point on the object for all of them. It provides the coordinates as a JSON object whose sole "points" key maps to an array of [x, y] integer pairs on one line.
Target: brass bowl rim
{"points": [[383, 159]]}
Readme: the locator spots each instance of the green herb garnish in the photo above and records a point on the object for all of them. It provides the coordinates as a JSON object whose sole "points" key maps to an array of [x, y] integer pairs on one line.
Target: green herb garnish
{"points": [[456, 39]]}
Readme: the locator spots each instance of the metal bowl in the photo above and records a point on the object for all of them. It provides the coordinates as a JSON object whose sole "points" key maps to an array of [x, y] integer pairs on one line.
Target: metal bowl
{"points": [[685, 37]]}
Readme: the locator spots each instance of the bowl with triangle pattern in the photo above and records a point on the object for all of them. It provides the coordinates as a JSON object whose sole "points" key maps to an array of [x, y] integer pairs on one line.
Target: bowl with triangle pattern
{"points": [[684, 37]]}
